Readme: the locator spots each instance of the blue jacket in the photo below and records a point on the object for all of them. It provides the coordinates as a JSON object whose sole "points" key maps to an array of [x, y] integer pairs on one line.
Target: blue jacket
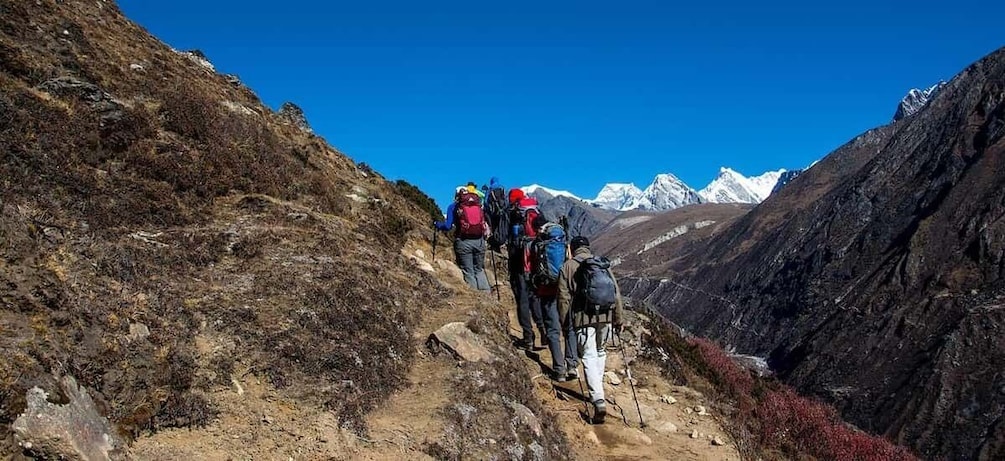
{"points": [[449, 223]]}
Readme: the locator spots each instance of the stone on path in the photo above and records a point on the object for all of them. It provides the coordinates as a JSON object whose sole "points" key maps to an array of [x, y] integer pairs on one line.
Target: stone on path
{"points": [[463, 342], [612, 378]]}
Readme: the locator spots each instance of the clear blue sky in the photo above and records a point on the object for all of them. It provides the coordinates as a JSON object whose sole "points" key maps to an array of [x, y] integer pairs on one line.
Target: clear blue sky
{"points": [[573, 95]]}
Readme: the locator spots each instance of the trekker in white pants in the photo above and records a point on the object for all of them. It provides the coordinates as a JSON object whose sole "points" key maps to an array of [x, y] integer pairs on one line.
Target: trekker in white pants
{"points": [[593, 296]]}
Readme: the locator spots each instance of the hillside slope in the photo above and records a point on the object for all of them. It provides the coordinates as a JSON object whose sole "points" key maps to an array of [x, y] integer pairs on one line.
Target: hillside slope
{"points": [[876, 279], [163, 230]]}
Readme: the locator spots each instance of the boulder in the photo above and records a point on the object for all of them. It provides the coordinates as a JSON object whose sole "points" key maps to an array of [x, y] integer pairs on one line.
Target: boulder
{"points": [[72, 431], [612, 378], [462, 342], [523, 416], [450, 267], [664, 427]]}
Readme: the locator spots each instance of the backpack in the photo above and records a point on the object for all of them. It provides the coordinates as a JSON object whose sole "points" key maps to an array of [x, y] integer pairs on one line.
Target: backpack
{"points": [[470, 219], [524, 213], [548, 256], [497, 212], [595, 286]]}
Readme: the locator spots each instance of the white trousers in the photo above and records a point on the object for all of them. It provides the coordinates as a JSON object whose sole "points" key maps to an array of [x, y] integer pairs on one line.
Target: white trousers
{"points": [[592, 342]]}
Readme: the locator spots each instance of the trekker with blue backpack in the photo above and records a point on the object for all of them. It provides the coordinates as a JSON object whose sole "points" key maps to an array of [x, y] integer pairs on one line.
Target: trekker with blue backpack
{"points": [[466, 217], [588, 293], [547, 256]]}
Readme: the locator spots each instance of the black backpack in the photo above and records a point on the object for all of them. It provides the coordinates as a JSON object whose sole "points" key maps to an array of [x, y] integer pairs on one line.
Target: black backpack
{"points": [[497, 213], [595, 287]]}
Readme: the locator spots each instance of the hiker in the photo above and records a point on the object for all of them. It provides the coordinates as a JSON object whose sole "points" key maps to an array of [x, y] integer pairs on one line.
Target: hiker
{"points": [[474, 189], [522, 210], [547, 259], [497, 214], [466, 217], [589, 294]]}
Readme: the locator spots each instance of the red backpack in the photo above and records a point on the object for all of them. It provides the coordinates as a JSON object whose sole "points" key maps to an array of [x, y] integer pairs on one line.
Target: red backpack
{"points": [[470, 218], [527, 208]]}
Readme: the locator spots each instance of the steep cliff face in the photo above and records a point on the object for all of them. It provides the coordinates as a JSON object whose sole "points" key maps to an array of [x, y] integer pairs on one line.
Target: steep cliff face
{"points": [[876, 279]]}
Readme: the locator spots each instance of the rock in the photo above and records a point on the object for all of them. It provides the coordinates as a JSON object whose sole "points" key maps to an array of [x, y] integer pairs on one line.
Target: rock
{"points": [[136, 67], [72, 431], [665, 427], [522, 415], [649, 414], [695, 434], [198, 57], [637, 437], [688, 410], [718, 442], [464, 343], [233, 79], [423, 265], [592, 437], [72, 86], [668, 399], [687, 391], [138, 331], [612, 378], [420, 254], [293, 114], [450, 267], [700, 410]]}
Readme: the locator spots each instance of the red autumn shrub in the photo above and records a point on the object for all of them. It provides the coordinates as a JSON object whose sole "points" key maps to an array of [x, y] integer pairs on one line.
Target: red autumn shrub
{"points": [[795, 424], [723, 369]]}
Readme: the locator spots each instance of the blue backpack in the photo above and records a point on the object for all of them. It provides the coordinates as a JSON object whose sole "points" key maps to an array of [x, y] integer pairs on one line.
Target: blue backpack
{"points": [[549, 255]]}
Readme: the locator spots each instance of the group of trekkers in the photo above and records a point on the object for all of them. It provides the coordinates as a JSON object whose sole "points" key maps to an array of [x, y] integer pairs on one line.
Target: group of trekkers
{"points": [[561, 288]]}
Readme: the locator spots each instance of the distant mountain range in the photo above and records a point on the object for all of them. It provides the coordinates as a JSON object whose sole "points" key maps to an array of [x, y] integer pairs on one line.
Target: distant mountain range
{"points": [[668, 192]]}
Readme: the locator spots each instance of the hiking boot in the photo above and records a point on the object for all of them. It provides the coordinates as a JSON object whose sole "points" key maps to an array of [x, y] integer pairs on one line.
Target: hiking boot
{"points": [[572, 375], [599, 411], [524, 344], [560, 377]]}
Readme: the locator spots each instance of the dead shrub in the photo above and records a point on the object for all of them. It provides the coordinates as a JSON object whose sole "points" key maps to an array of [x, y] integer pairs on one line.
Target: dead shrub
{"points": [[188, 111]]}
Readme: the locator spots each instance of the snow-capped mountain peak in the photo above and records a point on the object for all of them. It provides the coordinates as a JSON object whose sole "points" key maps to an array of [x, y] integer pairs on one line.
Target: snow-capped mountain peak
{"points": [[537, 189], [732, 187], [617, 196], [666, 193], [915, 100]]}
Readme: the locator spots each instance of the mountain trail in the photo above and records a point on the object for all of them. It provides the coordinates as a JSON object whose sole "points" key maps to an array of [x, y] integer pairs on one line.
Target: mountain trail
{"points": [[257, 421]]}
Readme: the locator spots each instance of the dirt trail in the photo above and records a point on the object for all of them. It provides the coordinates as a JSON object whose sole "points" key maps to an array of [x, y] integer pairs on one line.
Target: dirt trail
{"points": [[258, 422], [411, 416]]}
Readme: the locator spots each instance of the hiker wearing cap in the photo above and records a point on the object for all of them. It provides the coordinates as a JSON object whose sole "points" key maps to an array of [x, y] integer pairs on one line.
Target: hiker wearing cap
{"points": [[522, 210], [547, 259], [589, 297], [466, 217]]}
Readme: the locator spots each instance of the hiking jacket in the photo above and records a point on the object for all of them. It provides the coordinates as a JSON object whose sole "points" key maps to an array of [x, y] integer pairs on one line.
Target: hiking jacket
{"points": [[448, 223], [568, 299]]}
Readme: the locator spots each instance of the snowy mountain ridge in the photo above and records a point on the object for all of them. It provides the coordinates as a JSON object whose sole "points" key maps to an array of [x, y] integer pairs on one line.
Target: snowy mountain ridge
{"points": [[915, 100], [733, 187], [667, 192]]}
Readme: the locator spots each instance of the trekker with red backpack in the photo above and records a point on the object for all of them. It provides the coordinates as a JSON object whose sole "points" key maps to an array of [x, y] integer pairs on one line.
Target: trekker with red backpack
{"points": [[521, 211], [466, 217]]}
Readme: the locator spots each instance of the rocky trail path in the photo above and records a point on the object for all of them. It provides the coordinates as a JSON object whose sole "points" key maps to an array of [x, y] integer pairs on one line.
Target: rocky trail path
{"points": [[258, 422]]}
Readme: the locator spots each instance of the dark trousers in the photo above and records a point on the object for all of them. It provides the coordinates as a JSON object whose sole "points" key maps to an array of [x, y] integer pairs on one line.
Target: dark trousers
{"points": [[528, 306], [553, 327]]}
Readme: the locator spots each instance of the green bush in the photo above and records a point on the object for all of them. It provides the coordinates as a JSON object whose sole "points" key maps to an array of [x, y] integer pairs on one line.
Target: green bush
{"points": [[416, 196]]}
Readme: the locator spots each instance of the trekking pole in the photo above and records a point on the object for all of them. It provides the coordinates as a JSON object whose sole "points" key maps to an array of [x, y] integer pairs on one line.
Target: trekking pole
{"points": [[435, 233], [628, 370], [495, 270]]}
